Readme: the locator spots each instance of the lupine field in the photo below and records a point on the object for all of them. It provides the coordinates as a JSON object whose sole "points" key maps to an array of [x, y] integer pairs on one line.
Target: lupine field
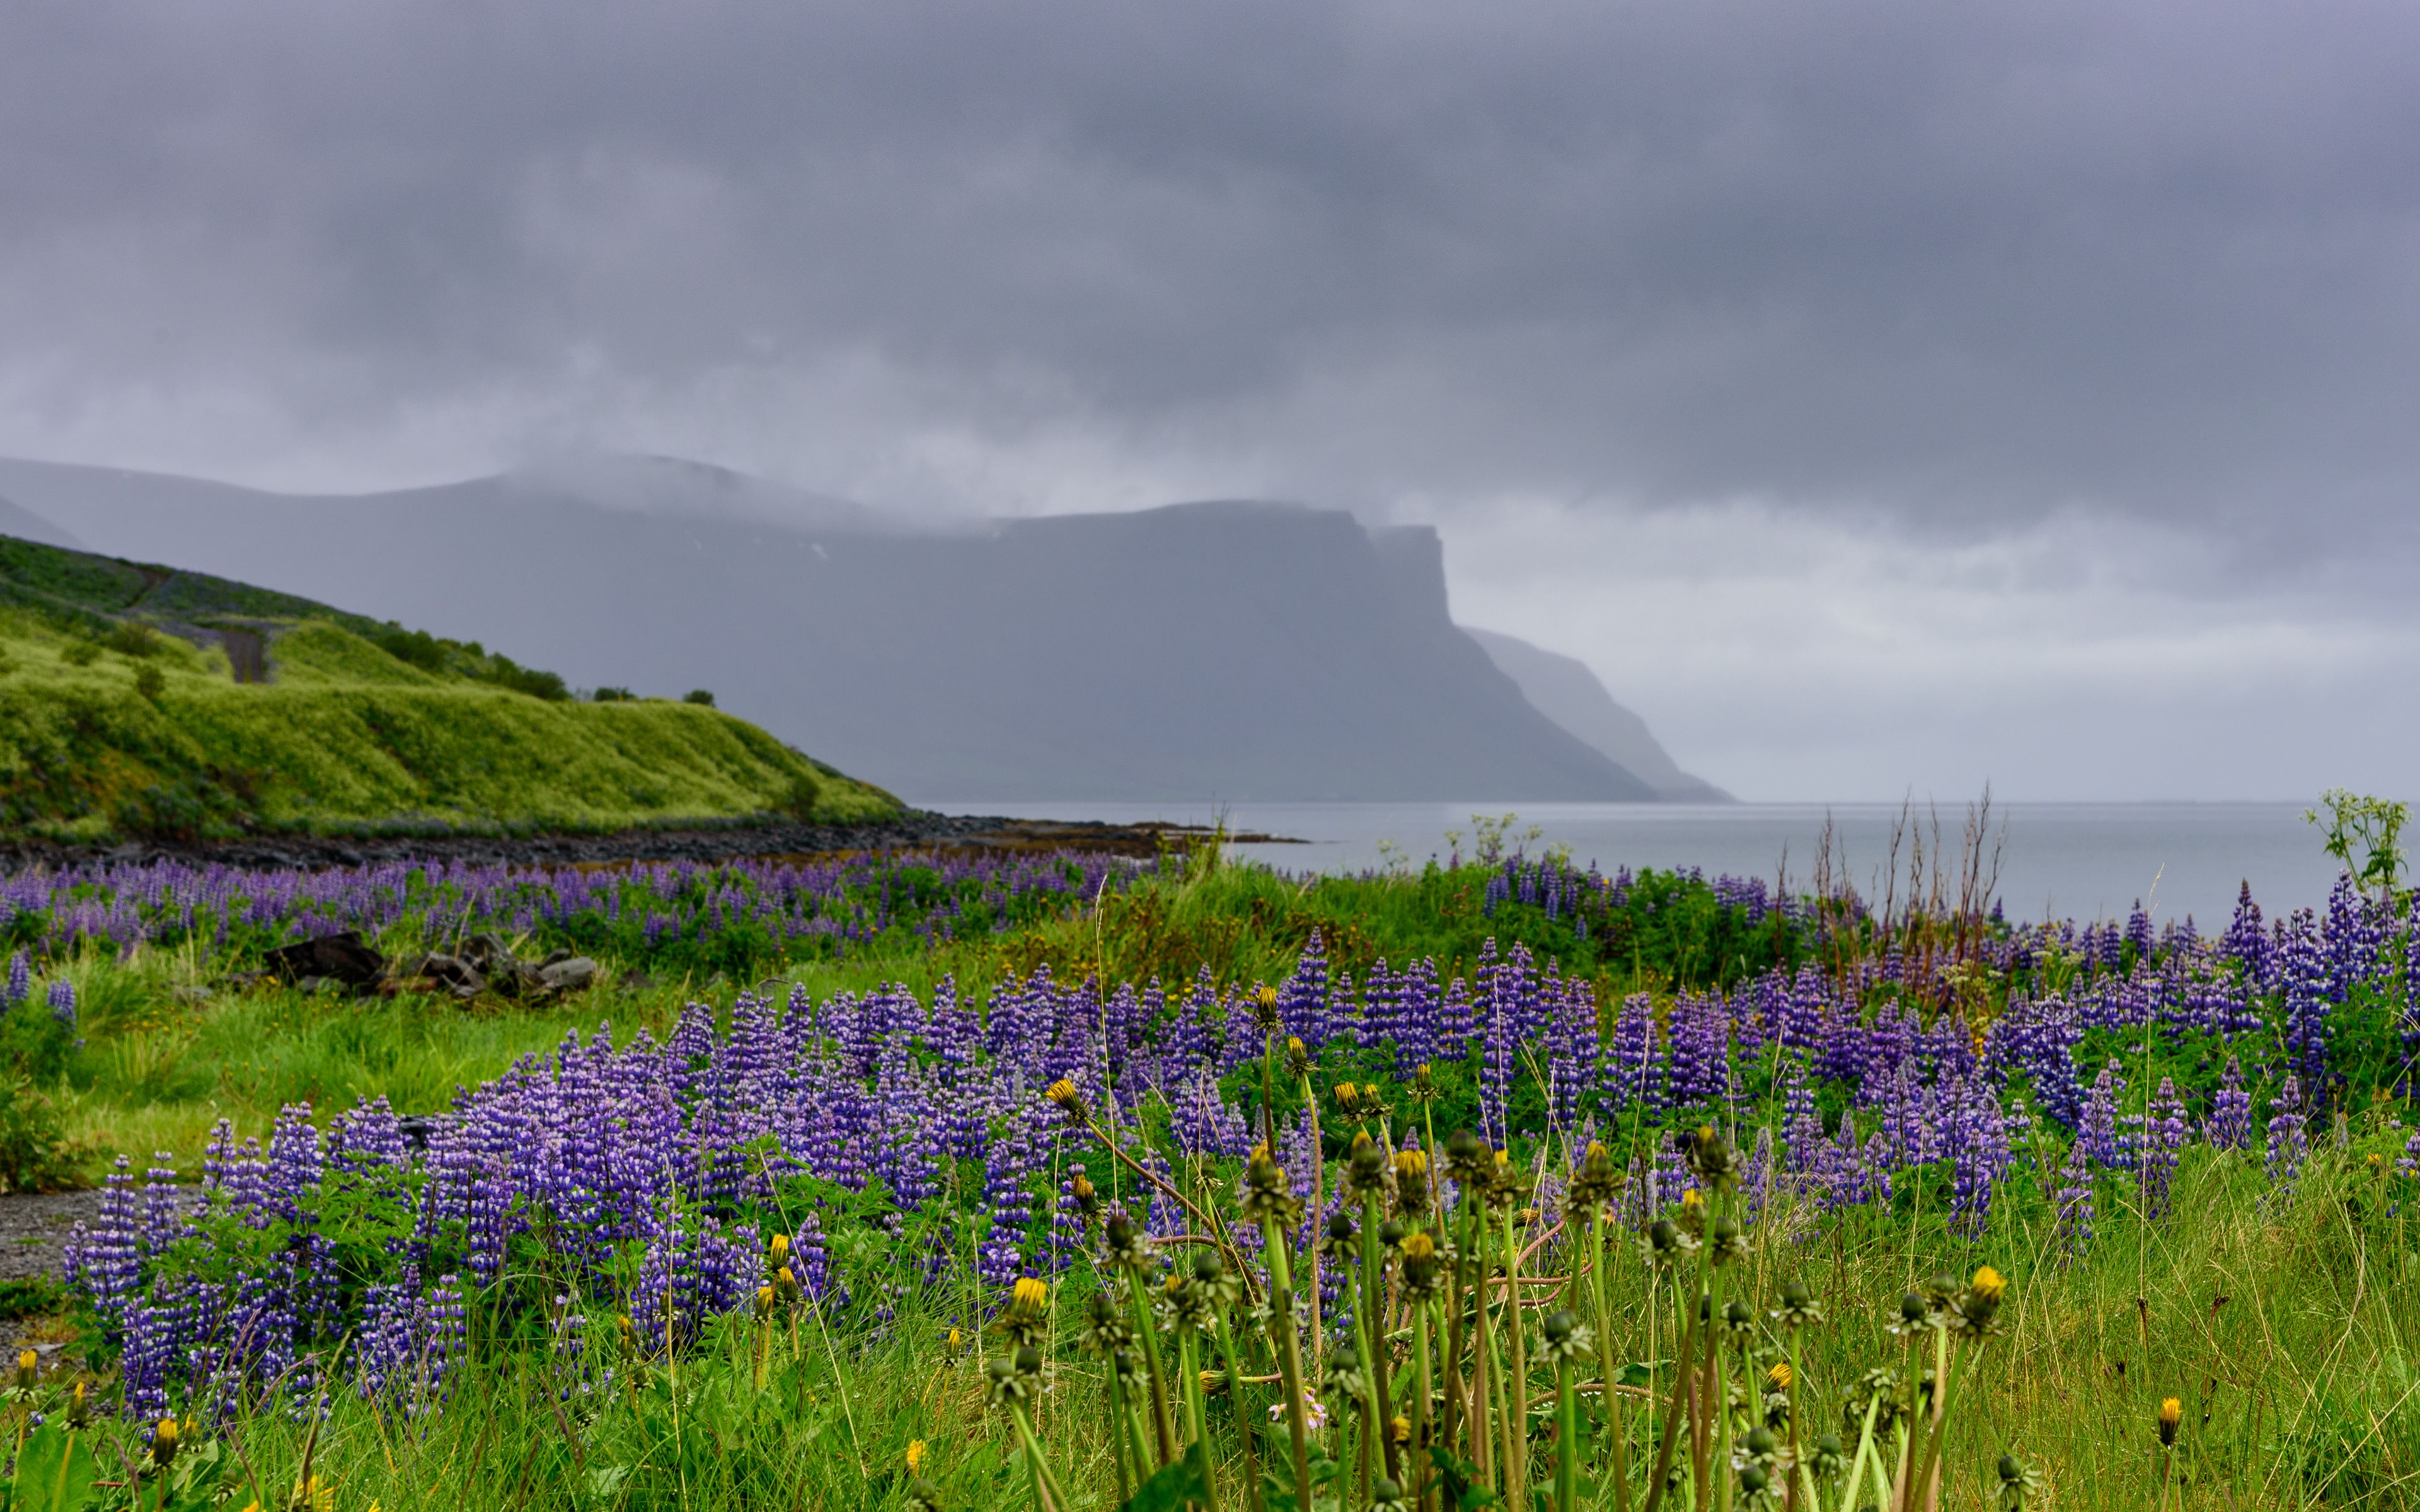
{"points": [[1074, 1182]]}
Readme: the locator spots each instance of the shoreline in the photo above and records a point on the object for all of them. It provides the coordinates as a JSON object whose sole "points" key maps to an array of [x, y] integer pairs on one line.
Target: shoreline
{"points": [[915, 830]]}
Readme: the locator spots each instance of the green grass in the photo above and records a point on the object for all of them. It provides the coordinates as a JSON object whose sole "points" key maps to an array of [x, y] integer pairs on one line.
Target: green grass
{"points": [[2285, 1321], [119, 717]]}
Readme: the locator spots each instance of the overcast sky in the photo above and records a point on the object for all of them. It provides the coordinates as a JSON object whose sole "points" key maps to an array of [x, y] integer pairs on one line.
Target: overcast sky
{"points": [[1876, 395]]}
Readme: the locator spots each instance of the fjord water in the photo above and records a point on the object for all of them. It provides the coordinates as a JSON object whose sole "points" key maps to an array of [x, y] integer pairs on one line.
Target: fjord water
{"points": [[2079, 860]]}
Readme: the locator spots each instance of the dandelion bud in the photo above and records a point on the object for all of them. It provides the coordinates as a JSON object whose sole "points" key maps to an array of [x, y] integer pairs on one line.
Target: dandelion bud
{"points": [[924, 1496], [1265, 1006], [785, 1284], [29, 1364], [955, 1342], [1779, 1378], [1558, 1325], [2010, 1471], [1739, 1318], [1029, 1295], [1339, 1226], [2172, 1411], [1469, 1158], [1088, 1198], [1348, 1097], [1424, 1084], [79, 1408], [1753, 1480], [164, 1442], [778, 1252], [1062, 1095], [765, 1301], [1029, 1360], [1761, 1443], [1412, 1165], [1298, 1055], [1365, 1169]]}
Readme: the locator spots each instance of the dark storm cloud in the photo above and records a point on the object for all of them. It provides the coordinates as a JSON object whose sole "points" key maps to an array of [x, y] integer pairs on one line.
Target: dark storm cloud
{"points": [[1948, 263]]}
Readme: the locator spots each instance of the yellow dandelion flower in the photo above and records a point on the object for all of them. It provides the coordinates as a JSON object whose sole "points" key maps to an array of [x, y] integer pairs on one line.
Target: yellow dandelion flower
{"points": [[1029, 1295], [1988, 1283]]}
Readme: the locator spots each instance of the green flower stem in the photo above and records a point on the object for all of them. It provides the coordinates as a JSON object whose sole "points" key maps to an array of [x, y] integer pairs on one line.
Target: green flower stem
{"points": [[1420, 1477], [1857, 1463], [1289, 1353], [1197, 1418], [1243, 1413], [1455, 1304], [1567, 1446], [1685, 1389], [1715, 1419], [1375, 1330], [1044, 1480], [1519, 1380], [1318, 1206], [1944, 1394], [1616, 1409], [1118, 1434], [1157, 1385]]}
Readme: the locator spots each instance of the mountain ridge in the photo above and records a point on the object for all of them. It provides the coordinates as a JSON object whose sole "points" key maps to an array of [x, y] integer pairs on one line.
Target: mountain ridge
{"points": [[1242, 650]]}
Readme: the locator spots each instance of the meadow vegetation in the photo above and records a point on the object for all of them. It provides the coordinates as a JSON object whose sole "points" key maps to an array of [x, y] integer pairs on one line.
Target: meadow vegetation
{"points": [[962, 1184]]}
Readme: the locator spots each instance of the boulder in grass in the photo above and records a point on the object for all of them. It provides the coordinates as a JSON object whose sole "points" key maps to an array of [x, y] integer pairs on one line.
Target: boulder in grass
{"points": [[570, 974], [341, 957]]}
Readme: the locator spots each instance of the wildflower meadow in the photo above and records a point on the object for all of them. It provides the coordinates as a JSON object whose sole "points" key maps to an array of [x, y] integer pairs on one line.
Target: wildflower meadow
{"points": [[1067, 1181]]}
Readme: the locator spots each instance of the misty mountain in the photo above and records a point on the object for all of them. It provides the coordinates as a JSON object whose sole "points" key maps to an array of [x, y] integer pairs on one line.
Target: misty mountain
{"points": [[26, 525], [1204, 651], [1564, 690]]}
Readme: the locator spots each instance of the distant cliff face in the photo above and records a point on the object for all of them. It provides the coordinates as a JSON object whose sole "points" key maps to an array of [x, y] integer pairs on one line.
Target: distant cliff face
{"points": [[1212, 651], [1564, 690]]}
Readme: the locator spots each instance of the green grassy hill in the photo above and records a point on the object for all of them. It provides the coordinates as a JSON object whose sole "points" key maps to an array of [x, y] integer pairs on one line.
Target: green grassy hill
{"points": [[139, 701]]}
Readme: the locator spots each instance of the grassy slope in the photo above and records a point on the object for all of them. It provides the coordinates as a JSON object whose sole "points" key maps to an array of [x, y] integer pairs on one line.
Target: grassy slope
{"points": [[346, 739]]}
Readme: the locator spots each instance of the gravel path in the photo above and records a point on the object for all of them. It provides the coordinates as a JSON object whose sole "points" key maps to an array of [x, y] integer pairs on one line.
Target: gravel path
{"points": [[33, 1241], [34, 1230]]}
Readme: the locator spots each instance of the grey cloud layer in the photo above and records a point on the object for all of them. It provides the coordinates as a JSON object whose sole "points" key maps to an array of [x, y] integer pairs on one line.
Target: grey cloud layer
{"points": [[1948, 263]]}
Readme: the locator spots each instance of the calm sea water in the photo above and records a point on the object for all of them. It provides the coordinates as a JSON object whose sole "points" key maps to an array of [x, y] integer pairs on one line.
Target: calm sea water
{"points": [[2080, 860]]}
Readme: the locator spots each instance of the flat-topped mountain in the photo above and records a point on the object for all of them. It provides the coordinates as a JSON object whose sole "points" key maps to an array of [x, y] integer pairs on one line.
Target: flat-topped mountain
{"points": [[1208, 651]]}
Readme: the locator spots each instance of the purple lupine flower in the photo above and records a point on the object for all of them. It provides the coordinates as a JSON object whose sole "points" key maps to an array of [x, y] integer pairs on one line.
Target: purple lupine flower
{"points": [[1302, 1002], [2412, 978], [2075, 1202], [1629, 1070], [2288, 1141], [2353, 937], [2230, 1114], [2302, 969], [2163, 1139], [2138, 933], [1977, 1143], [2096, 1133], [21, 983], [63, 1002]]}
